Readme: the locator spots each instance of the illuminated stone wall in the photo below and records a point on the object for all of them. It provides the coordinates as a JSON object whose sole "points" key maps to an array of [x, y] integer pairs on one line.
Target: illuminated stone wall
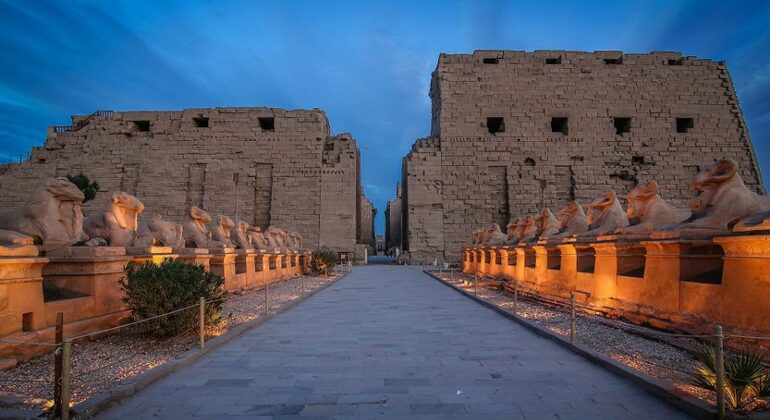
{"points": [[291, 172], [514, 132]]}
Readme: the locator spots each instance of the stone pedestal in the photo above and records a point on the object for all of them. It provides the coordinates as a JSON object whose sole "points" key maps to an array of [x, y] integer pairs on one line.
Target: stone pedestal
{"points": [[83, 282], [684, 276], [154, 254], [619, 272], [547, 276], [223, 263], [198, 256], [746, 285], [245, 268], [21, 290]]}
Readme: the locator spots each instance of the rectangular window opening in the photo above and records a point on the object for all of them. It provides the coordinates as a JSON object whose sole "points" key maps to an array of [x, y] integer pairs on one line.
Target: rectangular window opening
{"points": [[491, 60], [553, 60], [266, 123], [675, 62], [622, 125], [618, 60], [201, 122], [683, 125], [496, 125], [142, 125], [560, 125], [27, 321]]}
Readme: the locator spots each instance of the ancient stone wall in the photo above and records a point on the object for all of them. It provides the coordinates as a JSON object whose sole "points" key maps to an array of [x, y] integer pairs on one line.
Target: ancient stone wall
{"points": [[393, 214], [514, 132], [269, 166], [368, 214]]}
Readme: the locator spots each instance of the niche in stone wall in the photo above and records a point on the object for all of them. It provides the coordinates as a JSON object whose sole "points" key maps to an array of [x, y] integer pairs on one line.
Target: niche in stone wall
{"points": [[263, 194], [196, 181], [498, 184], [130, 178]]}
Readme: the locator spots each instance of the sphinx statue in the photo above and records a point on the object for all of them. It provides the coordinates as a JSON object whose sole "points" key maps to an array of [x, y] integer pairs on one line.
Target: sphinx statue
{"points": [[754, 223], [196, 232], [527, 230], [477, 236], [220, 236], [294, 241], [118, 222], [272, 236], [605, 215], [159, 232], [510, 229], [240, 236], [52, 216], [571, 221], [646, 206], [256, 238], [495, 235], [546, 224], [722, 200]]}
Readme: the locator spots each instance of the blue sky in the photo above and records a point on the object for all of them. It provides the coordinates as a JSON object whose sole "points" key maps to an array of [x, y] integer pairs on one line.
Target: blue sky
{"points": [[366, 63]]}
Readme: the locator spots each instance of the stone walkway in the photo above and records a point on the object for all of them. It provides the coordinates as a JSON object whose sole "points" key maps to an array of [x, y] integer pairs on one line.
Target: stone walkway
{"points": [[391, 342]]}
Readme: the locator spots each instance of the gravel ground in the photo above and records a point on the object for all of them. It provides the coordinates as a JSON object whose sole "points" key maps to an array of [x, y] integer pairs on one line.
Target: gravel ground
{"points": [[639, 350], [100, 364]]}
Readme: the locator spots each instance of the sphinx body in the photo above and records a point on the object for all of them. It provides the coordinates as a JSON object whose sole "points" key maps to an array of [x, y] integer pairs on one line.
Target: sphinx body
{"points": [[118, 222], [527, 231], [754, 223], [511, 228], [240, 236], [495, 235], [722, 200], [647, 206], [477, 236], [546, 224], [272, 236], [605, 215], [220, 236], [159, 232], [571, 220], [196, 232], [257, 238], [52, 216]]}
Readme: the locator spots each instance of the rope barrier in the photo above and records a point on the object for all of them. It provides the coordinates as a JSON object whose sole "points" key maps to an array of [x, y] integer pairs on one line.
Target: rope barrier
{"points": [[134, 323]]}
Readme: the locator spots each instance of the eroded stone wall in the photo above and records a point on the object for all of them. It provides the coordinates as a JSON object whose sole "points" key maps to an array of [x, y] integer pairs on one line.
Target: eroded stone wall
{"points": [[514, 132], [270, 166]]}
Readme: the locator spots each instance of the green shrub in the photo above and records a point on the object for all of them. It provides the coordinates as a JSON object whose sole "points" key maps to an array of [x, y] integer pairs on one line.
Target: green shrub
{"points": [[85, 185], [152, 290], [323, 261], [747, 381]]}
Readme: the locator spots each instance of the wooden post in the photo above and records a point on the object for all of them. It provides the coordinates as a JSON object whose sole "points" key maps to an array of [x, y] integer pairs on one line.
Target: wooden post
{"points": [[515, 294], [720, 373], [65, 379], [572, 317], [302, 281], [57, 362], [202, 322], [476, 285], [267, 298]]}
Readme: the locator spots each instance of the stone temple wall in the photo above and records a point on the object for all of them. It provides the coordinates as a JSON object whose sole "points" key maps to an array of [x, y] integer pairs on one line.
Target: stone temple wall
{"points": [[368, 214], [393, 216], [291, 172], [514, 132]]}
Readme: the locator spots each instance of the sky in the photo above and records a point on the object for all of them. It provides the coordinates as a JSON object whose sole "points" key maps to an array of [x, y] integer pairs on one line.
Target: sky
{"points": [[366, 63]]}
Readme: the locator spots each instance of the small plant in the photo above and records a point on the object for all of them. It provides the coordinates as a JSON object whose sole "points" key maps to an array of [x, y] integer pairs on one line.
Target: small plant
{"points": [[152, 290], [323, 261], [85, 185], [746, 383]]}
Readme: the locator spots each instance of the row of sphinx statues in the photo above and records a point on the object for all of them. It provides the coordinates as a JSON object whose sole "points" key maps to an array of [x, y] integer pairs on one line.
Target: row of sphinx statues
{"points": [[722, 204], [52, 217]]}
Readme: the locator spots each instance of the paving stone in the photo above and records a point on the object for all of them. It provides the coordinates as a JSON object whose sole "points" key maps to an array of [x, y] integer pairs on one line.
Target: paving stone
{"points": [[390, 342]]}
